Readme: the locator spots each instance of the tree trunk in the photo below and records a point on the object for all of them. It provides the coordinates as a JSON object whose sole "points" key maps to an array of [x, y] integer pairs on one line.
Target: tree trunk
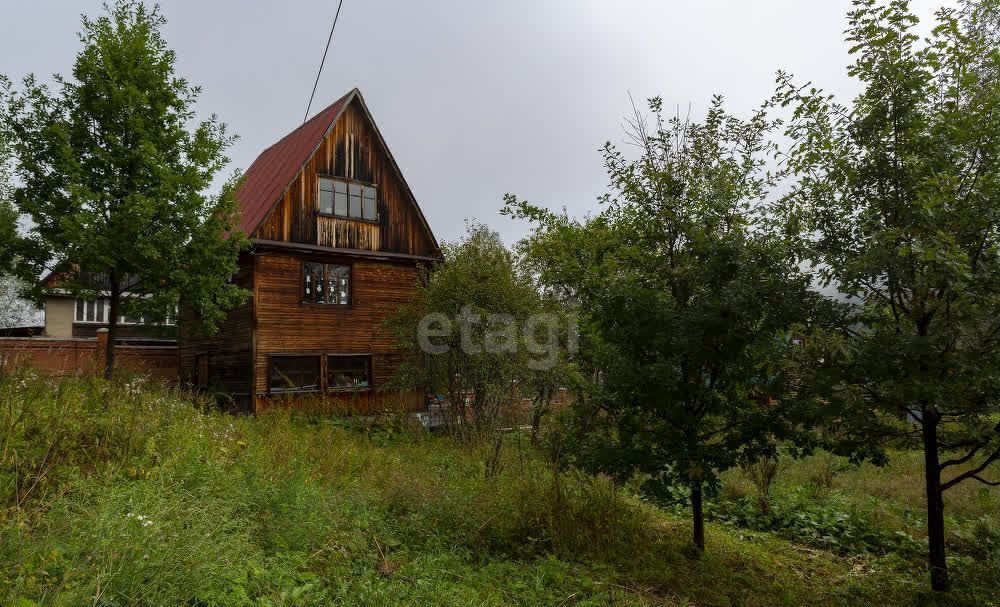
{"points": [[536, 423], [109, 352], [935, 502], [539, 408], [698, 514]]}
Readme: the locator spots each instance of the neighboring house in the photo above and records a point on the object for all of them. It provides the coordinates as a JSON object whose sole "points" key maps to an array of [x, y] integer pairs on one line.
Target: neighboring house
{"points": [[337, 243], [67, 316]]}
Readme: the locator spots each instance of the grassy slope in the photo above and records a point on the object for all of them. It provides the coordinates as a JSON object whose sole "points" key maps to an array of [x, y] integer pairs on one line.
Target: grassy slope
{"points": [[894, 494], [133, 496]]}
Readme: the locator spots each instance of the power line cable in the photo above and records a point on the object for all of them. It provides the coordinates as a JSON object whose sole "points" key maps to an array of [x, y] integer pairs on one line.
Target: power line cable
{"points": [[322, 61]]}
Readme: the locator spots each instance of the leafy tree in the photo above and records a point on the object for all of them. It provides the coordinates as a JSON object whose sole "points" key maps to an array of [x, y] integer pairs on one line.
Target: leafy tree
{"points": [[899, 200], [8, 216], [479, 333], [113, 174], [686, 301], [14, 311]]}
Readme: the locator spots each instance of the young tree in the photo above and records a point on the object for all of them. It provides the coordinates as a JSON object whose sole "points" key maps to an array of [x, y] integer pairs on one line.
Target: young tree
{"points": [[686, 301], [477, 332], [899, 199], [112, 175]]}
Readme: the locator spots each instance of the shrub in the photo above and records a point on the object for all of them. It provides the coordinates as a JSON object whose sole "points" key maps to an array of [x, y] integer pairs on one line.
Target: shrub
{"points": [[813, 524], [762, 474]]}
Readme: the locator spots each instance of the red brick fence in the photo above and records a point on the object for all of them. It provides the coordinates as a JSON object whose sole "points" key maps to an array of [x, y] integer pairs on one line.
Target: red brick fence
{"points": [[61, 357]]}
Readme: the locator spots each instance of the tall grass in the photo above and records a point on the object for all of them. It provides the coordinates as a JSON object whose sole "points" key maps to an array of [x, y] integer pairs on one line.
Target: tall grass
{"points": [[127, 493]]}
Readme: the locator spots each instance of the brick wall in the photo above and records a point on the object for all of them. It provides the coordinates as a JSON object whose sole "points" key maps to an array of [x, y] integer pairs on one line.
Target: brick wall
{"points": [[67, 357]]}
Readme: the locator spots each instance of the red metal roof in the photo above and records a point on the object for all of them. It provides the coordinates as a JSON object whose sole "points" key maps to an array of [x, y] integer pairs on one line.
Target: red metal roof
{"points": [[266, 179]]}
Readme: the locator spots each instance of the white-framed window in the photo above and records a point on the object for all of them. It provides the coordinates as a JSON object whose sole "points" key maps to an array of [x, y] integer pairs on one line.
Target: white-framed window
{"points": [[98, 311], [91, 311], [349, 199]]}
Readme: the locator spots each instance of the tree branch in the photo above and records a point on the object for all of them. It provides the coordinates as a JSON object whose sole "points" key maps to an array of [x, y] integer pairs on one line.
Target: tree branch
{"points": [[972, 473], [961, 460], [985, 482]]}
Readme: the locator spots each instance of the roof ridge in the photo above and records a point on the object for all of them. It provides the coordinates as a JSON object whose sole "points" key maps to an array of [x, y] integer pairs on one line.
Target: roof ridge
{"points": [[308, 122], [274, 168]]}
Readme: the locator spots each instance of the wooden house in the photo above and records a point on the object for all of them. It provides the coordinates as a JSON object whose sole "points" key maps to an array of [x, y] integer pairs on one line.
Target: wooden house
{"points": [[337, 243]]}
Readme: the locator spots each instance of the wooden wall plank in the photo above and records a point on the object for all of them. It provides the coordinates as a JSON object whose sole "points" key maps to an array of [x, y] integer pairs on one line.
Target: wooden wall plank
{"points": [[286, 325], [229, 349], [352, 150]]}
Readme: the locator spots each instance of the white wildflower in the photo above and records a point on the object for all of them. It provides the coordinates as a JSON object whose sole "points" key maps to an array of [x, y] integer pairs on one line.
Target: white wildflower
{"points": [[141, 519]]}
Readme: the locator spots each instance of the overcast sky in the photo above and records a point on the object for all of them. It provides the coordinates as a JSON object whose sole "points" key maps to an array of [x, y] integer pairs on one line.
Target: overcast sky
{"points": [[475, 99]]}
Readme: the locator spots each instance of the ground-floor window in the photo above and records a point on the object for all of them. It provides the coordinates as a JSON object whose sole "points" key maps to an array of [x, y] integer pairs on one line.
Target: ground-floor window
{"points": [[294, 373], [347, 372], [313, 372]]}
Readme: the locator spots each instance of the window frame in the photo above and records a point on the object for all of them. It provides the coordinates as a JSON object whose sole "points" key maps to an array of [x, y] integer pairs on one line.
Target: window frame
{"points": [[369, 370], [81, 318], [105, 316], [324, 358], [296, 390], [348, 183], [326, 282]]}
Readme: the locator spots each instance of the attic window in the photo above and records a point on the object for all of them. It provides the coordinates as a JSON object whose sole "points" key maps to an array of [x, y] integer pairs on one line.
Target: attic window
{"points": [[349, 199]]}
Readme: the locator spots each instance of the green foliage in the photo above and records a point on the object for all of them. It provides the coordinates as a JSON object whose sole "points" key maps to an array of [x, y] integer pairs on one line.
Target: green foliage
{"points": [[8, 215], [802, 522], [112, 172], [480, 332], [687, 299], [125, 493], [897, 201]]}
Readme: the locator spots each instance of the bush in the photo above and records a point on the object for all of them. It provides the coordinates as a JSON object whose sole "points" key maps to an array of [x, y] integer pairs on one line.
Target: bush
{"points": [[818, 525]]}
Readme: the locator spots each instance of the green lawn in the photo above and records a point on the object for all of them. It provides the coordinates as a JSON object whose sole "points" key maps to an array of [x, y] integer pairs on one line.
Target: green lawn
{"points": [[119, 494]]}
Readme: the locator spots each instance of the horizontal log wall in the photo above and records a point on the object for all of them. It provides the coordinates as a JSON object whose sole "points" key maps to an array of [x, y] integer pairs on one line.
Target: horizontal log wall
{"points": [[87, 330], [359, 403], [286, 325], [229, 349], [158, 362]]}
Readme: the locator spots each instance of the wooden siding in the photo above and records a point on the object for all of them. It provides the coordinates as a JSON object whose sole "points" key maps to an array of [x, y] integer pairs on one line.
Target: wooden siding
{"points": [[384, 255], [228, 351], [340, 233], [286, 325], [352, 150], [346, 404]]}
